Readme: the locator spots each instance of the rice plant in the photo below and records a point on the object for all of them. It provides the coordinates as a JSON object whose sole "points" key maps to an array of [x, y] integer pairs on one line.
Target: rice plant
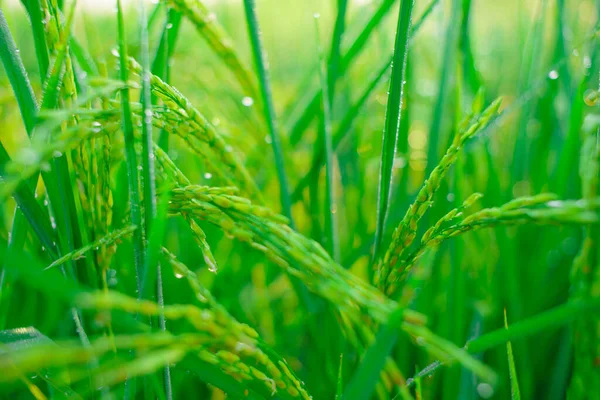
{"points": [[300, 200]]}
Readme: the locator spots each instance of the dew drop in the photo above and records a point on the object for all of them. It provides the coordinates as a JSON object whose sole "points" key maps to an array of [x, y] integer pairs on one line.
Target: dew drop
{"points": [[268, 139], [96, 126], [207, 175], [485, 390], [553, 74], [29, 156], [399, 162], [316, 15], [169, 25], [178, 275], [450, 197], [590, 97], [247, 101], [212, 267]]}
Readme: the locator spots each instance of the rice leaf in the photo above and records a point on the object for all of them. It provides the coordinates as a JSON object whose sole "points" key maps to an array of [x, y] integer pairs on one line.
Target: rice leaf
{"points": [[260, 61], [392, 121], [512, 369]]}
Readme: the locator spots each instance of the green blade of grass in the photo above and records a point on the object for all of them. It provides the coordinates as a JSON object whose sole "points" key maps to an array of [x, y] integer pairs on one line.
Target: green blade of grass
{"points": [[260, 61], [339, 390], [512, 369], [544, 321], [392, 120], [531, 61], [331, 235], [334, 71], [342, 130], [34, 10], [162, 56], [30, 208], [448, 65], [300, 121], [362, 384], [361, 40], [17, 75], [346, 123], [83, 58], [130, 153]]}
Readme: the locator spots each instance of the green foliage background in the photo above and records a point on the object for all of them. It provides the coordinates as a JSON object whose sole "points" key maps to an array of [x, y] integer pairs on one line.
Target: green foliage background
{"points": [[139, 271]]}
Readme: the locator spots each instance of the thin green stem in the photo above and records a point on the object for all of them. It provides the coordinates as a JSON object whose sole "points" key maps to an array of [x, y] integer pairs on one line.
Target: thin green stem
{"points": [[260, 61]]}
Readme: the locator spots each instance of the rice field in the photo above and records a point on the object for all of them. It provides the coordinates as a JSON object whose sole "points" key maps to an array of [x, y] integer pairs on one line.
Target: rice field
{"points": [[367, 199]]}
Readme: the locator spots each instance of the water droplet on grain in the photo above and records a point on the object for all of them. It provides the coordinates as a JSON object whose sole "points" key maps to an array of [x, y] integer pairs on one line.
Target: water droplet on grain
{"points": [[450, 197], [169, 25], [247, 101], [29, 156], [212, 267], [399, 162], [178, 276], [207, 175], [268, 139], [553, 74], [316, 15], [590, 98], [485, 390], [96, 126]]}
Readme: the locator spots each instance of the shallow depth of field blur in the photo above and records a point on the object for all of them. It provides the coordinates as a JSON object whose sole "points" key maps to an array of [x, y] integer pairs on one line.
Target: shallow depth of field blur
{"points": [[542, 57]]}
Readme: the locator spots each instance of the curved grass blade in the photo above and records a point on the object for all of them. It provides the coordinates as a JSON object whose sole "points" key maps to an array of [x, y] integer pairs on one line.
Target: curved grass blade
{"points": [[162, 57], [34, 10], [30, 208], [551, 319], [260, 60], [131, 157], [531, 61], [348, 119], [448, 65], [341, 132], [331, 235], [334, 71], [299, 121], [361, 40], [392, 120], [17, 75], [362, 384], [512, 369]]}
